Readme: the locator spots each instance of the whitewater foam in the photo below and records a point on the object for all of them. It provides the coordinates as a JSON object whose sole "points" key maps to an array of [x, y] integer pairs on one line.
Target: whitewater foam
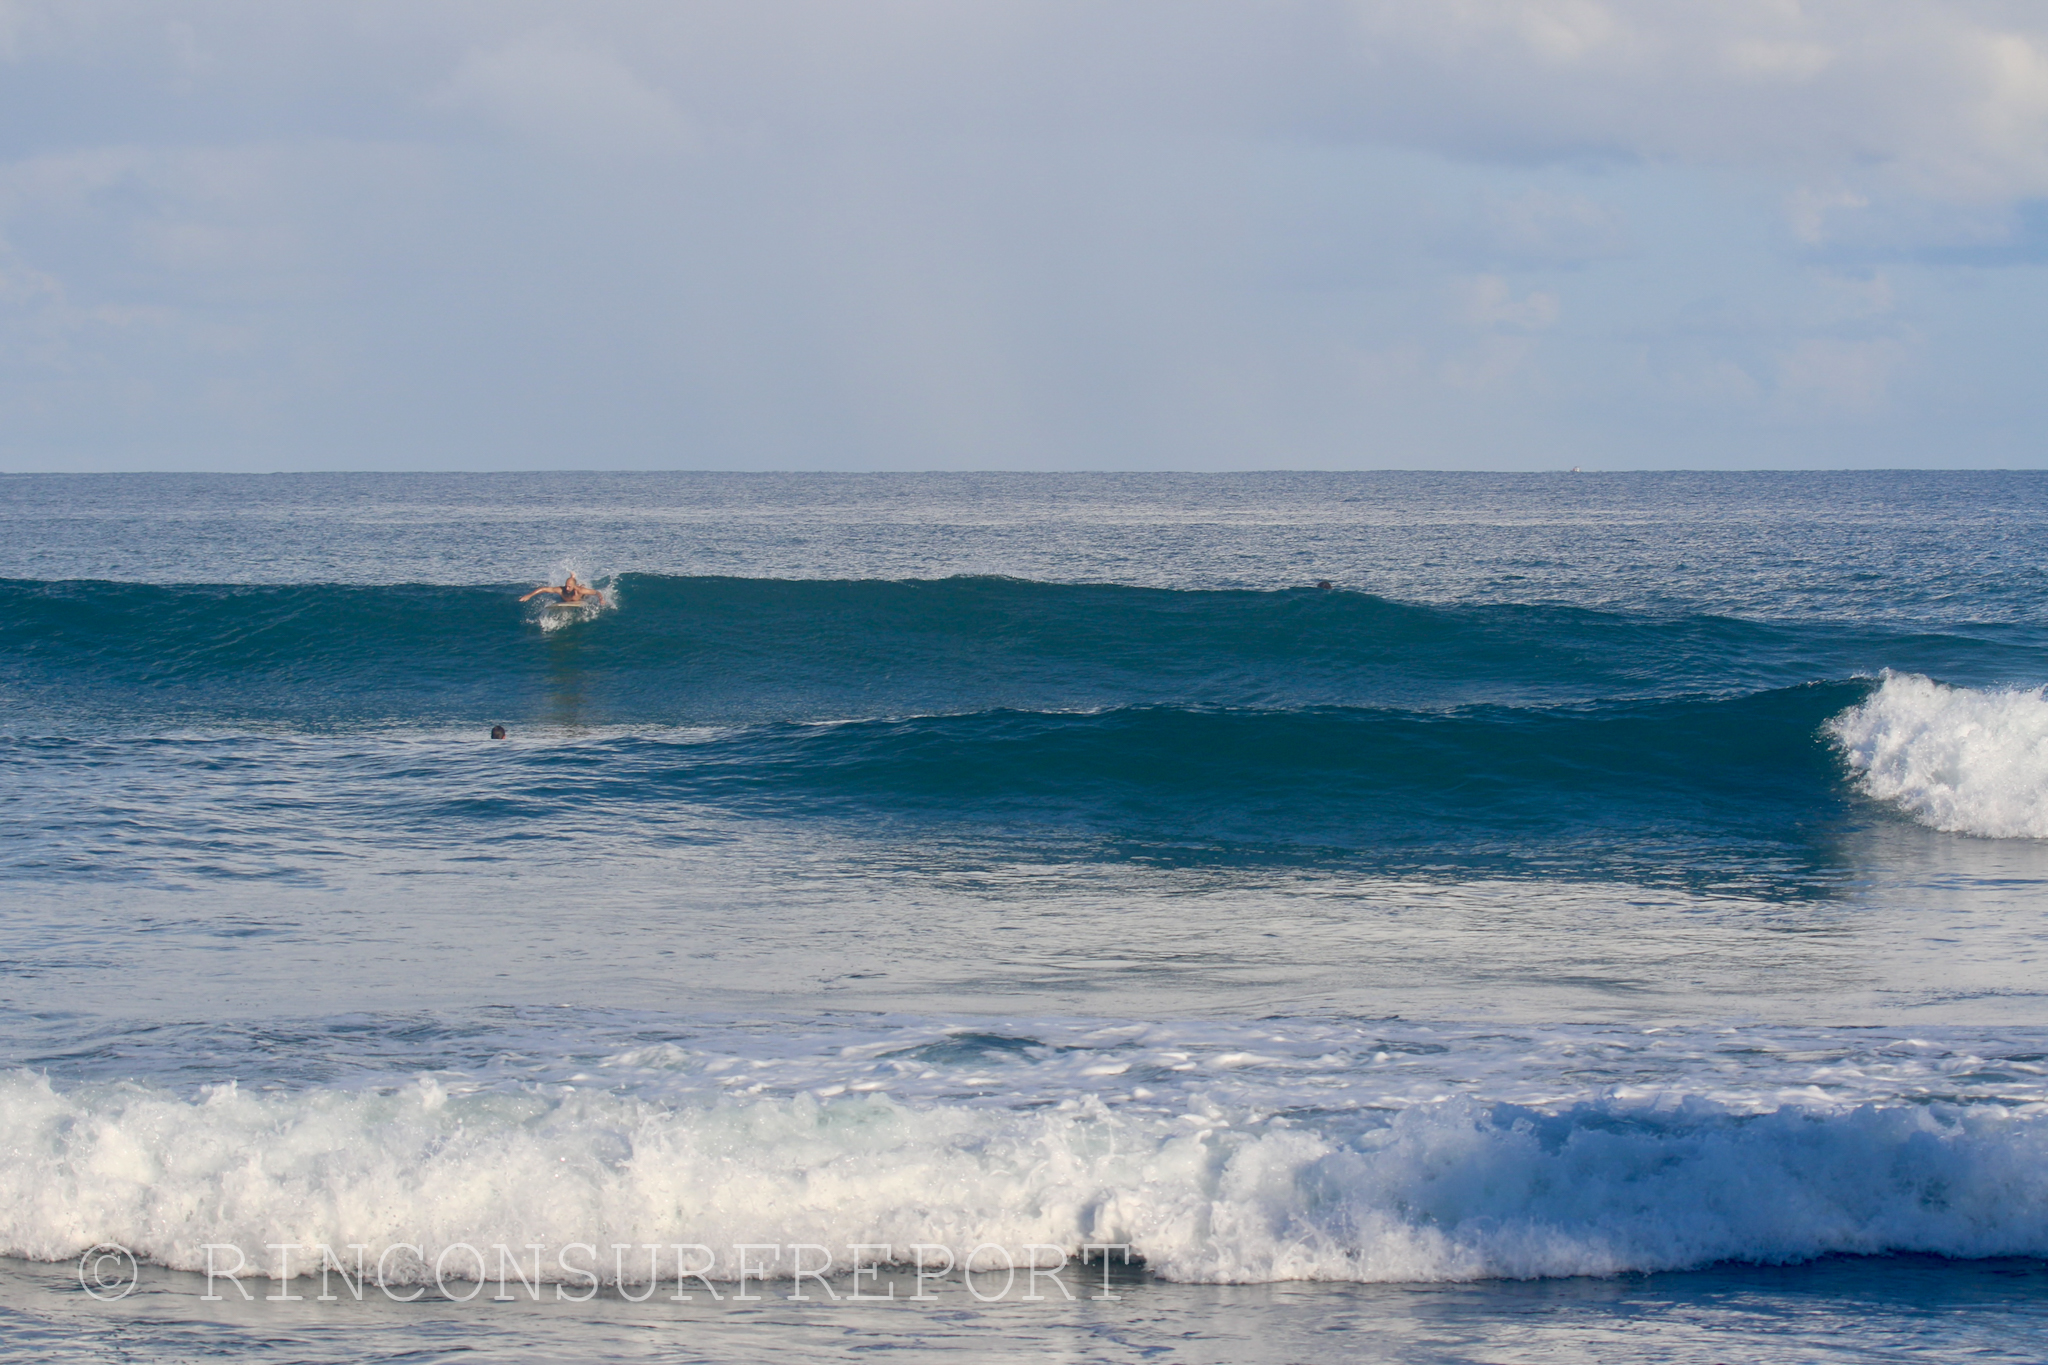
{"points": [[1450, 1190], [1958, 759]]}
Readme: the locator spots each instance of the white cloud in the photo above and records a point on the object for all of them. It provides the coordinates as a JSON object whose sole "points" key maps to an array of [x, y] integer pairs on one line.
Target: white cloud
{"points": [[557, 88], [1807, 209], [1538, 227], [24, 286], [1848, 99], [1487, 365], [1843, 377], [1013, 231], [1490, 302]]}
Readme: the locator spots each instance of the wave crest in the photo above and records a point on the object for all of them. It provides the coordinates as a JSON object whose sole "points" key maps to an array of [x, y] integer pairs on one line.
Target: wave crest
{"points": [[1957, 759]]}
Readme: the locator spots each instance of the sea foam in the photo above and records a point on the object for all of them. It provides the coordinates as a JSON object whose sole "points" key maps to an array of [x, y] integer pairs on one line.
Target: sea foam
{"points": [[1955, 758], [1451, 1190]]}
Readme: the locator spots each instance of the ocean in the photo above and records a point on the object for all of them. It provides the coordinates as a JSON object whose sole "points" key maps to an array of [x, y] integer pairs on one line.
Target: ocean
{"points": [[978, 916]]}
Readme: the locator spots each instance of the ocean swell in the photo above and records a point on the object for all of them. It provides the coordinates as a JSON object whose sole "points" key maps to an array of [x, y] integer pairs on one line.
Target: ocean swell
{"points": [[691, 651]]}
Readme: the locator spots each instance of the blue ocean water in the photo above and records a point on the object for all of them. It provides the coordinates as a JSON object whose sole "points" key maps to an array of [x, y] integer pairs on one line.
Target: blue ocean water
{"points": [[1604, 923]]}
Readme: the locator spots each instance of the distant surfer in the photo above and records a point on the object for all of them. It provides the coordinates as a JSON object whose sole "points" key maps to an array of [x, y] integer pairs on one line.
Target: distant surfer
{"points": [[497, 732], [570, 594]]}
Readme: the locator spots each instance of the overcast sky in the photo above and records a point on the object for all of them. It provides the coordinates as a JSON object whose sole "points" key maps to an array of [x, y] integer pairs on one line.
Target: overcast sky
{"points": [[1071, 234]]}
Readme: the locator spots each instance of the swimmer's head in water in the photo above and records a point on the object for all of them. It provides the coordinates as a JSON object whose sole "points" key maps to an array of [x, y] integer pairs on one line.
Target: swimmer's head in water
{"points": [[1322, 582], [497, 732]]}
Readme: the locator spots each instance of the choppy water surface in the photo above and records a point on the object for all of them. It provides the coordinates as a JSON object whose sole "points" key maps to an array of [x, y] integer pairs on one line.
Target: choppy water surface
{"points": [[1628, 877]]}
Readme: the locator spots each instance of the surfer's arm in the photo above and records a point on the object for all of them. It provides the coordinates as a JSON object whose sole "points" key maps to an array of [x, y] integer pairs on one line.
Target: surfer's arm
{"points": [[598, 595], [537, 592]]}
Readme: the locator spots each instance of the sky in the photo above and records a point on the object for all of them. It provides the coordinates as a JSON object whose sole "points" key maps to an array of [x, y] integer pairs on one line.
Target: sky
{"points": [[1023, 234]]}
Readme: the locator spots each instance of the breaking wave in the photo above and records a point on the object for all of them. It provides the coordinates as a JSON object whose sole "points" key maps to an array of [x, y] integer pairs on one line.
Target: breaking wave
{"points": [[1451, 1190], [1955, 758]]}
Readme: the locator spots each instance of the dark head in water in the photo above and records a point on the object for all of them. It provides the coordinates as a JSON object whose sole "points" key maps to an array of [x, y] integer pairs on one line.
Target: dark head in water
{"points": [[1322, 582], [497, 732]]}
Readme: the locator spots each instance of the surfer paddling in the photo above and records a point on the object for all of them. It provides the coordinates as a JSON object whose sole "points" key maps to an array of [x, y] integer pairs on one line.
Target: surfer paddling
{"points": [[570, 594]]}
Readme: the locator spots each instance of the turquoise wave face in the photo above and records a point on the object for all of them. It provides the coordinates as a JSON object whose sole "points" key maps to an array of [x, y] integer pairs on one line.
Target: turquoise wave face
{"points": [[1326, 775], [1324, 726], [1709, 792], [713, 651]]}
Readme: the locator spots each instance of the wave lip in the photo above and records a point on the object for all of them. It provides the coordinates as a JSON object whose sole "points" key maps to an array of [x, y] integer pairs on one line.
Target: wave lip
{"points": [[1957, 759]]}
